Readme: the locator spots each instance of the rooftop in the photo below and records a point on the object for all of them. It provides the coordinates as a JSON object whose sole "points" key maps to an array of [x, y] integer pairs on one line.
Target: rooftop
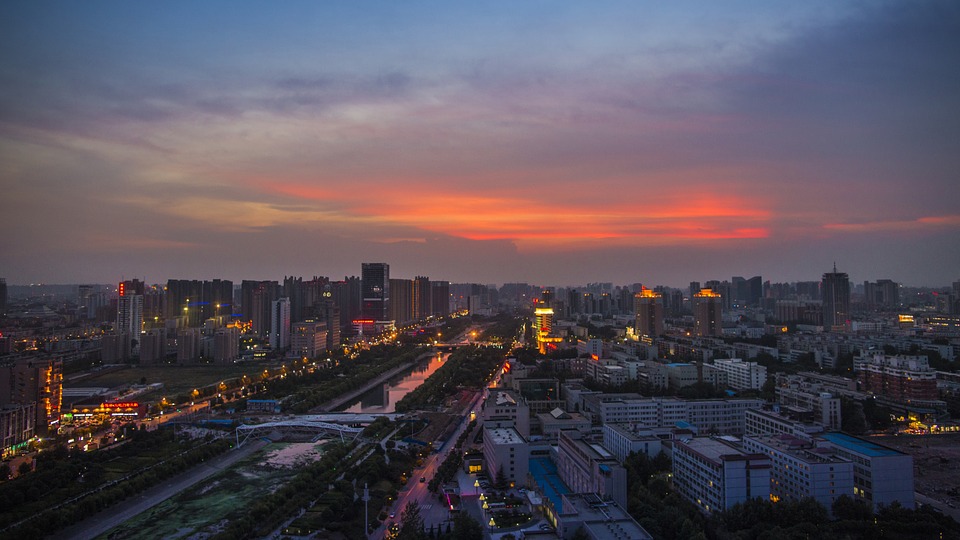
{"points": [[860, 446]]}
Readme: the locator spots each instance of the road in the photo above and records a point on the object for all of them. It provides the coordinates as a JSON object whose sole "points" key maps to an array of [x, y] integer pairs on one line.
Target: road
{"points": [[431, 510], [104, 521]]}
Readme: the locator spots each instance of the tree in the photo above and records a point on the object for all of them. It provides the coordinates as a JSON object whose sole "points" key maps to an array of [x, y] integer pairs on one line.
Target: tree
{"points": [[466, 528], [411, 523], [501, 479], [848, 508], [24, 468], [5, 471]]}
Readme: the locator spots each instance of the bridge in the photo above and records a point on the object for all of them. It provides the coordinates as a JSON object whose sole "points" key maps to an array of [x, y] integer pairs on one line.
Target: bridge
{"points": [[308, 427]]}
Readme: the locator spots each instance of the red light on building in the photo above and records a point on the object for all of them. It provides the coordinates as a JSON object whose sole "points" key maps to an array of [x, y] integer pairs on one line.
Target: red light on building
{"points": [[120, 405], [122, 288]]}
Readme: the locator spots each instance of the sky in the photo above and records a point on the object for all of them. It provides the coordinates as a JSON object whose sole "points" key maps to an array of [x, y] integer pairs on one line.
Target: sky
{"points": [[554, 143]]}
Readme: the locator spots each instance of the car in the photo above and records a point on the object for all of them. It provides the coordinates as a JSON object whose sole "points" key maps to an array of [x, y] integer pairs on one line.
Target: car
{"points": [[545, 527], [423, 479], [393, 515]]}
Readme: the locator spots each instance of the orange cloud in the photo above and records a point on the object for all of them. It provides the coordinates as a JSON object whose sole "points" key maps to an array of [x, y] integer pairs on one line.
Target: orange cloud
{"points": [[921, 223]]}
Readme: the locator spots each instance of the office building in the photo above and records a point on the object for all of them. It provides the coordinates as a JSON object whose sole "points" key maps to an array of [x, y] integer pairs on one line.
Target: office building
{"points": [[18, 424], [835, 290], [707, 313], [401, 301], [708, 415], [715, 474], [375, 291], [648, 306], [881, 475], [422, 299]]}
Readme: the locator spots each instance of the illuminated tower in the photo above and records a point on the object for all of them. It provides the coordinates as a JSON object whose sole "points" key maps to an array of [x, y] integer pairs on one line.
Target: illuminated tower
{"points": [[649, 308], [542, 325], [707, 309], [835, 291]]}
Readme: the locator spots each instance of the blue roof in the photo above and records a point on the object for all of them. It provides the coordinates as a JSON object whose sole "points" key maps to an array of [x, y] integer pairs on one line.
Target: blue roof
{"points": [[858, 445], [544, 473], [675, 364]]}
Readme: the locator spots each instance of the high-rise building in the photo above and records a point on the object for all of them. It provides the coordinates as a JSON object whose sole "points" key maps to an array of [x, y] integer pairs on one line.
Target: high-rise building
{"points": [[129, 324], [37, 381], [421, 297], [308, 338], [401, 301], [197, 300], [885, 293], [3, 296], [835, 291], [649, 309], [280, 324], [707, 313], [440, 298], [375, 291]]}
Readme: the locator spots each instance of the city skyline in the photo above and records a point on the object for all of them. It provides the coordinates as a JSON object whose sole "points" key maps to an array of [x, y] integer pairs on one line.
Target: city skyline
{"points": [[548, 144]]}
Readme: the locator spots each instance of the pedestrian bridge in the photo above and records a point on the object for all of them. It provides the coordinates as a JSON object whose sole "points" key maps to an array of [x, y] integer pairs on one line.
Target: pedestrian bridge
{"points": [[296, 426]]}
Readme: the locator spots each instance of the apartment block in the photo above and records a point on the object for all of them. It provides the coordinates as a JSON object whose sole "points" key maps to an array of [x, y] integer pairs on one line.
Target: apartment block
{"points": [[715, 474]]}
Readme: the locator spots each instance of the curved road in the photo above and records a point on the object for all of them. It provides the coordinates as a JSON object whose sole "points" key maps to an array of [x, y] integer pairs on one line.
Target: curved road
{"points": [[105, 520]]}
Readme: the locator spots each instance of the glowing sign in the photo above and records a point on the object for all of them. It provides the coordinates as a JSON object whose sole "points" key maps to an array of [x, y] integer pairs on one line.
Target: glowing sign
{"points": [[120, 405]]}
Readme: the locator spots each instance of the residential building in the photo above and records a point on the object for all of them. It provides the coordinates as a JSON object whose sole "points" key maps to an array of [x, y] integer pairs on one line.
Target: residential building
{"points": [[621, 441], [280, 324], [707, 313], [308, 339], [898, 378], [648, 306], [375, 291]]}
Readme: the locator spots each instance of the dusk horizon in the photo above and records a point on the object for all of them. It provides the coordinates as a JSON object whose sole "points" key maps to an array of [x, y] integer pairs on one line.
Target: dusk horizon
{"points": [[539, 143]]}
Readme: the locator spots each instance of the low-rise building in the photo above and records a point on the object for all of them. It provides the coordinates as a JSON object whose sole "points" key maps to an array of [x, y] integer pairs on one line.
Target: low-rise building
{"points": [[802, 470], [621, 441], [599, 518], [589, 467], [882, 475], [506, 453], [742, 375], [716, 474]]}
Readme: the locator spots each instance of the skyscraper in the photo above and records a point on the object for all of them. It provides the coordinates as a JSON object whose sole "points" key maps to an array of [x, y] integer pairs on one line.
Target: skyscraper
{"points": [[707, 313], [280, 324], [835, 291], [375, 291], [3, 296], [649, 308], [421, 298]]}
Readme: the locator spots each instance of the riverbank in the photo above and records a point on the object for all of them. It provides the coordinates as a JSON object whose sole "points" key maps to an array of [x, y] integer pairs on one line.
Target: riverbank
{"points": [[354, 395]]}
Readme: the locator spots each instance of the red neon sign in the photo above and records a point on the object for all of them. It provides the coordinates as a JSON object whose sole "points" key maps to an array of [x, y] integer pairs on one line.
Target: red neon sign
{"points": [[120, 405]]}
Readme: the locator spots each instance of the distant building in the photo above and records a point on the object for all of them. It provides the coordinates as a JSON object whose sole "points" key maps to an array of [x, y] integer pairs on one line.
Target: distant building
{"points": [[308, 338], [742, 375], [375, 291], [18, 424], [280, 325], [707, 313], [898, 378], [226, 345], [649, 310], [835, 290], [714, 474]]}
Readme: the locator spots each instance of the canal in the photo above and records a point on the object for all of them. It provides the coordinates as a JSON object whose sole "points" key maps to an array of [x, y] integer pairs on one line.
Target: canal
{"points": [[382, 398]]}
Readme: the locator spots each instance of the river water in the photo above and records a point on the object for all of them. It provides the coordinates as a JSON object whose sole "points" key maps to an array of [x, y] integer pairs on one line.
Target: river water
{"points": [[383, 397]]}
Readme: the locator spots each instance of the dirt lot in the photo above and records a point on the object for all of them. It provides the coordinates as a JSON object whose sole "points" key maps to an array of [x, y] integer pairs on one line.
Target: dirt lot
{"points": [[936, 464]]}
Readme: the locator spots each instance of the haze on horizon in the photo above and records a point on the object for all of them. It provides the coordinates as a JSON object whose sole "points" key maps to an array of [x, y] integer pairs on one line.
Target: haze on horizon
{"points": [[496, 142]]}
